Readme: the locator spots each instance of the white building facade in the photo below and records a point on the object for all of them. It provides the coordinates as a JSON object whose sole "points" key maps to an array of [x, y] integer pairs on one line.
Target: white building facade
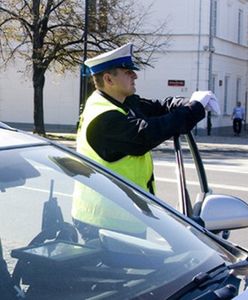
{"points": [[203, 54], [208, 50]]}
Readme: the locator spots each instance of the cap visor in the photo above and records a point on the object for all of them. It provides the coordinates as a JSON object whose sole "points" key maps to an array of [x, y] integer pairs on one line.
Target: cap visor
{"points": [[133, 67]]}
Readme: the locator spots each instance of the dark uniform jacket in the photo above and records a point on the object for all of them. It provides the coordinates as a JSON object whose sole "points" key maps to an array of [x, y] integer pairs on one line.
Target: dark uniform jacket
{"points": [[147, 124]]}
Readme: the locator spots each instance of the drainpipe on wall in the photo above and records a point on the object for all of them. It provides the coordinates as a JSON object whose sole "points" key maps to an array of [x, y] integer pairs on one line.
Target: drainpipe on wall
{"points": [[245, 110], [198, 53], [210, 63], [199, 47]]}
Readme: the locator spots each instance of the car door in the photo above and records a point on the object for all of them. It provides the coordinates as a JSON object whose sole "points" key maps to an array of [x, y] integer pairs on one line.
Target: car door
{"points": [[195, 195], [180, 176], [191, 176]]}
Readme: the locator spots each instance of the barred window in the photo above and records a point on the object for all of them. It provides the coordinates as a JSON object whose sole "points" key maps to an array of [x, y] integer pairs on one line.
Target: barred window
{"points": [[98, 15], [240, 25]]}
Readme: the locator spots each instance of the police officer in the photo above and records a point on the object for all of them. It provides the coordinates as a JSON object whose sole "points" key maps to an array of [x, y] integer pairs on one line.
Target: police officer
{"points": [[118, 128]]}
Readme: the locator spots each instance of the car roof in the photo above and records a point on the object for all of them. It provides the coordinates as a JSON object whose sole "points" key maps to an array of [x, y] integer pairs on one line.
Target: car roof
{"points": [[11, 138]]}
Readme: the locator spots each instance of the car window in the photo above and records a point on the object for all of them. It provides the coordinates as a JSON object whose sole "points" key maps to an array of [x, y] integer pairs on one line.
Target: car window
{"points": [[166, 174], [77, 230], [169, 189], [192, 180]]}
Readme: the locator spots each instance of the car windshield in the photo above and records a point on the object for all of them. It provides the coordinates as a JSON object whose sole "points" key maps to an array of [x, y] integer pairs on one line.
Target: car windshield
{"points": [[77, 231]]}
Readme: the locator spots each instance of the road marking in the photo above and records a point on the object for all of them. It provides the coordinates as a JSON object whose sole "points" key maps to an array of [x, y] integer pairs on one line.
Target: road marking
{"points": [[211, 185], [230, 169], [44, 191]]}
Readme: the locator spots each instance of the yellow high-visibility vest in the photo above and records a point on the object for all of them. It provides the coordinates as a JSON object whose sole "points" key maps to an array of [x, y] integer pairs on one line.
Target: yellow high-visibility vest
{"points": [[138, 169], [91, 207]]}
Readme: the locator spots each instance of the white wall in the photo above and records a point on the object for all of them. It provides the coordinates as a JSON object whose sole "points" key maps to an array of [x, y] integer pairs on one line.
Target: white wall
{"points": [[61, 96], [15, 96]]}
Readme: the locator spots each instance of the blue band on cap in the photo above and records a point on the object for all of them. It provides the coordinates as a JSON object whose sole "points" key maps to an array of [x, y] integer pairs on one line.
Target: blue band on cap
{"points": [[125, 61]]}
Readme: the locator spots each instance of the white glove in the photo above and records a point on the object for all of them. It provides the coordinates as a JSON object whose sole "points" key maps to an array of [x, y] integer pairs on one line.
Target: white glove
{"points": [[207, 99]]}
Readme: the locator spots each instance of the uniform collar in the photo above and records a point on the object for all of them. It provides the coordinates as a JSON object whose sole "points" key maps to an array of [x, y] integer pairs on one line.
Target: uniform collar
{"points": [[112, 100]]}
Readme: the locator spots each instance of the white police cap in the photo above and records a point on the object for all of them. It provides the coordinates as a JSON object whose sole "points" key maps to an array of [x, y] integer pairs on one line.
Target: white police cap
{"points": [[117, 58]]}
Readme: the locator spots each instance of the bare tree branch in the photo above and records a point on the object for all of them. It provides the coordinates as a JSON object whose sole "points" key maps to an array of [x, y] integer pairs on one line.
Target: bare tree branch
{"points": [[16, 16], [50, 33]]}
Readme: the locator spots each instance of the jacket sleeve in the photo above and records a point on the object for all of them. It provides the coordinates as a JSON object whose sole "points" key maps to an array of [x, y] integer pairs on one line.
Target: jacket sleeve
{"points": [[114, 135], [155, 107]]}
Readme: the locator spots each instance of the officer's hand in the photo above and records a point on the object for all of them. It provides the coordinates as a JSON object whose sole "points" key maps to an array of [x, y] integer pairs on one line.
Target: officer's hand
{"points": [[207, 99]]}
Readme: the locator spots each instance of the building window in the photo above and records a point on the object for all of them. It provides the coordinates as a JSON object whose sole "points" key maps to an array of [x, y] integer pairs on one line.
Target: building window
{"points": [[92, 16], [103, 16], [238, 89], [240, 25], [98, 15], [214, 80], [226, 94], [215, 9]]}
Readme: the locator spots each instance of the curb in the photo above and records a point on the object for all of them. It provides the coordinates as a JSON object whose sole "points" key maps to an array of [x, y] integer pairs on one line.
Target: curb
{"points": [[218, 143]]}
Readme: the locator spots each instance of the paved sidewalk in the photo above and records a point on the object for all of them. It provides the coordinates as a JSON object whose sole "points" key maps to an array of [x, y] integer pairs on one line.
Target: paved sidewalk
{"points": [[224, 139], [213, 142]]}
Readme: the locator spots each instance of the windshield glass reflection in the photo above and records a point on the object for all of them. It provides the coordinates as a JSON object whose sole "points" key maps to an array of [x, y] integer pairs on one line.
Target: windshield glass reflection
{"points": [[69, 223]]}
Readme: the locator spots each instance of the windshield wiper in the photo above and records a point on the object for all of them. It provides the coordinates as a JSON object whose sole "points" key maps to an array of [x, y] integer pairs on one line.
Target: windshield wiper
{"points": [[228, 291], [239, 265], [203, 280]]}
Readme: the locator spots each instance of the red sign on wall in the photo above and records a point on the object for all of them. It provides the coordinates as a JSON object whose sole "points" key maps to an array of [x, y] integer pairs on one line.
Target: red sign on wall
{"points": [[176, 82]]}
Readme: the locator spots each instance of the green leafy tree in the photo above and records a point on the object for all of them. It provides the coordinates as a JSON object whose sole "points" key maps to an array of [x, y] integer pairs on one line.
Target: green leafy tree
{"points": [[49, 35]]}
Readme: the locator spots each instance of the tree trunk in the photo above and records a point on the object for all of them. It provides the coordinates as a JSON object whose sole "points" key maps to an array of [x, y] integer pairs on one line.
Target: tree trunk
{"points": [[38, 84]]}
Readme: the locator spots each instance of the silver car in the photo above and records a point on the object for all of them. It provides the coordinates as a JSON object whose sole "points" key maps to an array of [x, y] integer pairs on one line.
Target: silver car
{"points": [[133, 246]]}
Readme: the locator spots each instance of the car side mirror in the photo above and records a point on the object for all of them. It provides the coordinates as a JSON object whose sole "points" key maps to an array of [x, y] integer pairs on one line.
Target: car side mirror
{"points": [[222, 212]]}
